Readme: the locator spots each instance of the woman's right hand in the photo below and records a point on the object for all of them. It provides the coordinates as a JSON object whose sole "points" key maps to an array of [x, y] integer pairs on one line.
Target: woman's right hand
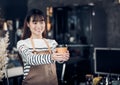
{"points": [[60, 56]]}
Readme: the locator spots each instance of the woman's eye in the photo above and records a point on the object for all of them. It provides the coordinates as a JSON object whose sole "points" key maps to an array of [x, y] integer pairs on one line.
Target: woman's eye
{"points": [[34, 22], [41, 22]]}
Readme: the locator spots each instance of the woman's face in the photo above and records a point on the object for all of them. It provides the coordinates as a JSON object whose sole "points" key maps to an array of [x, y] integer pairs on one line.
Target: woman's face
{"points": [[36, 27]]}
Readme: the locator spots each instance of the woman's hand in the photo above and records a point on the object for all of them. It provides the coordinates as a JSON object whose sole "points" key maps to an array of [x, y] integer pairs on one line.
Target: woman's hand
{"points": [[60, 56]]}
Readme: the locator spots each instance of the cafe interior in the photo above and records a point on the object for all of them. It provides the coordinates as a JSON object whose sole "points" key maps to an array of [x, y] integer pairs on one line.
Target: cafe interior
{"points": [[89, 28]]}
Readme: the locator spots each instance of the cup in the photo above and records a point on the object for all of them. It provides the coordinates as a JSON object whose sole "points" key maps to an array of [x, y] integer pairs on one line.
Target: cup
{"points": [[61, 49]]}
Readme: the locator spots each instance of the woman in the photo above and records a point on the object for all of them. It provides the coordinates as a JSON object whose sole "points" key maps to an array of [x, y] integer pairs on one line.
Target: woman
{"points": [[38, 53]]}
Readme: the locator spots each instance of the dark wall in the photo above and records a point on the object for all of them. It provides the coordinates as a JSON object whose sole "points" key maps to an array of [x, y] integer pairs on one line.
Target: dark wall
{"points": [[15, 9], [86, 24], [113, 24], [99, 26]]}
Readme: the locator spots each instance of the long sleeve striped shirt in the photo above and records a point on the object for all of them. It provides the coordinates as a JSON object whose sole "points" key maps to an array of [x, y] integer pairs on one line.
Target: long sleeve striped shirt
{"points": [[25, 49]]}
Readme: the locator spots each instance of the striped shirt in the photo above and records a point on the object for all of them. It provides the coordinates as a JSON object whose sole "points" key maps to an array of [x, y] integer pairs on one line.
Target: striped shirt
{"points": [[25, 49]]}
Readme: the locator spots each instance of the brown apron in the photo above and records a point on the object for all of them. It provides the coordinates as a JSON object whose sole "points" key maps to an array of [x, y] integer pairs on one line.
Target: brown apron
{"points": [[41, 74]]}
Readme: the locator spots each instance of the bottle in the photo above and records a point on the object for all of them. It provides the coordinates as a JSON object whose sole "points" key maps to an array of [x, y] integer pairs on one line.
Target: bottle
{"points": [[89, 79]]}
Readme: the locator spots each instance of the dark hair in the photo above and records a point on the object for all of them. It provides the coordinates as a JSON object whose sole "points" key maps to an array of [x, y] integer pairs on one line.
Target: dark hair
{"points": [[37, 16]]}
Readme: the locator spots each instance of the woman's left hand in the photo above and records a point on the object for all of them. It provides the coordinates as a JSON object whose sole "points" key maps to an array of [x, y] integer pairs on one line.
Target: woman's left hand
{"points": [[66, 56]]}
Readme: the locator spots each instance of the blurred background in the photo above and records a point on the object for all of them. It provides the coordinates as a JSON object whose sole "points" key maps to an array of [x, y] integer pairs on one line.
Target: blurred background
{"points": [[85, 26]]}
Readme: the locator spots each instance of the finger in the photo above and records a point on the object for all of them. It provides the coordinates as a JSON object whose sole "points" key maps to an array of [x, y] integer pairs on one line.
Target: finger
{"points": [[67, 51], [53, 51], [58, 57]]}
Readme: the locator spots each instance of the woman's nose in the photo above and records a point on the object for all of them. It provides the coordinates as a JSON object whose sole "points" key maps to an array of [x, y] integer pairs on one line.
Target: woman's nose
{"points": [[38, 24]]}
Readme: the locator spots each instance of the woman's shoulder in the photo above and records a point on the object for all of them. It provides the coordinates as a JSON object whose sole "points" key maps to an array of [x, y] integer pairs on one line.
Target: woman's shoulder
{"points": [[22, 42], [49, 39], [52, 42]]}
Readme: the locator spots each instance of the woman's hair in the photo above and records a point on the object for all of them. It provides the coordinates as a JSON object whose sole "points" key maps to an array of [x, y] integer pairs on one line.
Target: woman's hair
{"points": [[37, 15]]}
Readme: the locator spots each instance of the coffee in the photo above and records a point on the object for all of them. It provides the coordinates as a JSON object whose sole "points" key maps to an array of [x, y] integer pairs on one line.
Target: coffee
{"points": [[61, 49]]}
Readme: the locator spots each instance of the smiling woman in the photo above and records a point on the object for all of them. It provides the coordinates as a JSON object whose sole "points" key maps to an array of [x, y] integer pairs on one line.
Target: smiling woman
{"points": [[38, 53]]}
